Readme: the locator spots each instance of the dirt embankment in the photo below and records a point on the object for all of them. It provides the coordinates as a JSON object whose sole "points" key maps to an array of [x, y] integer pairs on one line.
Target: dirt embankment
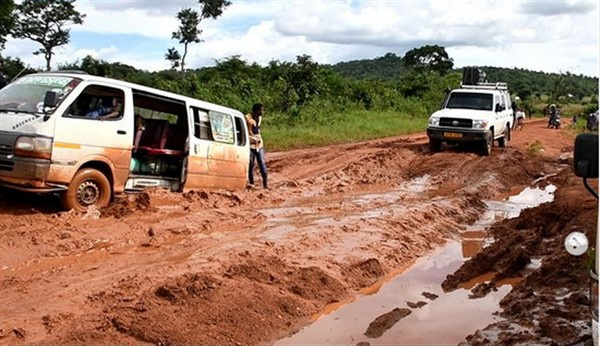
{"points": [[244, 267]]}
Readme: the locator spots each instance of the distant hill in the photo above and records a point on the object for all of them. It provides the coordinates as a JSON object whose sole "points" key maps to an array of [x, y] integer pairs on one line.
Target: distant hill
{"points": [[541, 82], [389, 66], [522, 82]]}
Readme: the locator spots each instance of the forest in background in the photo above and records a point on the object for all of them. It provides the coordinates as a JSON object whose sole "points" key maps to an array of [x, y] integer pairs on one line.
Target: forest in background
{"points": [[312, 104]]}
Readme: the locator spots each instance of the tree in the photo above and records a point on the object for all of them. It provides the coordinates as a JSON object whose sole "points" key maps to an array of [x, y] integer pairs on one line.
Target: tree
{"points": [[44, 21], [188, 33], [429, 57], [188, 29], [6, 20], [174, 57], [213, 8], [558, 88]]}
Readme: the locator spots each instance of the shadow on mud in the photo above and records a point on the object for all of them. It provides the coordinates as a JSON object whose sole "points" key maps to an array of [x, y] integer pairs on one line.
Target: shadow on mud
{"points": [[22, 203]]}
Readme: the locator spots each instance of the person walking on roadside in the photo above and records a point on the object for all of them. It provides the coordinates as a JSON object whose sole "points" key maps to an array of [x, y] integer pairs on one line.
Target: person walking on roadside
{"points": [[257, 149]]}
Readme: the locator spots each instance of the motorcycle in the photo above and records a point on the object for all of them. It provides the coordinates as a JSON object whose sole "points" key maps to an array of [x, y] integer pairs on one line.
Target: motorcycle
{"points": [[554, 121]]}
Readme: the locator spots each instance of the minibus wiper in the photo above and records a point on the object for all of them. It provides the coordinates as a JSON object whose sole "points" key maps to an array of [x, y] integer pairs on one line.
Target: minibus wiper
{"points": [[18, 111]]}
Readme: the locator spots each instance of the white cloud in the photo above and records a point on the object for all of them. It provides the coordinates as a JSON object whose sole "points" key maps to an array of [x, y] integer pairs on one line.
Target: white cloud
{"points": [[124, 20], [504, 34], [559, 7]]}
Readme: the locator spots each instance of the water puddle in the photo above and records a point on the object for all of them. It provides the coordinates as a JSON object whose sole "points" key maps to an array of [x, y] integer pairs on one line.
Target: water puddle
{"points": [[438, 322], [445, 320]]}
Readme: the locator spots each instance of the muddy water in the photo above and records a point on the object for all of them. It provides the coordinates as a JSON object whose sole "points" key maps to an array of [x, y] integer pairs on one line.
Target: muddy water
{"points": [[439, 321]]}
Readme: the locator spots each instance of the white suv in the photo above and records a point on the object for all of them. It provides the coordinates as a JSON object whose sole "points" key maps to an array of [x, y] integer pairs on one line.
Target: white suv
{"points": [[474, 113]]}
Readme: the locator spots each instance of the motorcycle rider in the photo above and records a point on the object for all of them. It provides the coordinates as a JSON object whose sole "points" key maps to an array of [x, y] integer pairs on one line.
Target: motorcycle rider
{"points": [[553, 116], [592, 122]]}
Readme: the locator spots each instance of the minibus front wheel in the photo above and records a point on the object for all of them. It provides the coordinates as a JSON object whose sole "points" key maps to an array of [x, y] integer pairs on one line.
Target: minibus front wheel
{"points": [[89, 187]]}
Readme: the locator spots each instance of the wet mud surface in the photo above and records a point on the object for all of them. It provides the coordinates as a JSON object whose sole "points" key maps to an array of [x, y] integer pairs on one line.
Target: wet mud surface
{"points": [[256, 266]]}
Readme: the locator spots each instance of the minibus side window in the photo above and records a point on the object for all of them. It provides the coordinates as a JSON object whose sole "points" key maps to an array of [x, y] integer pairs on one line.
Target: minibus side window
{"points": [[239, 131], [202, 128], [221, 125], [98, 102]]}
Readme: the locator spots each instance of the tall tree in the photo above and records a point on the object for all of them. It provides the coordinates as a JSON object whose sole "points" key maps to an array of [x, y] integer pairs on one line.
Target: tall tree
{"points": [[188, 33], [188, 29], [429, 57], [45, 21], [6, 20]]}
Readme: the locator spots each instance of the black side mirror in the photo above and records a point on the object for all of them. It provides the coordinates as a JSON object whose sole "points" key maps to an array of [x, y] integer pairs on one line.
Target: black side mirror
{"points": [[50, 99], [585, 161], [498, 108]]}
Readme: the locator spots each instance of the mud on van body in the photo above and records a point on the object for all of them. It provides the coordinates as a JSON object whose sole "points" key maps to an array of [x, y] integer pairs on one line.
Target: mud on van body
{"points": [[89, 138]]}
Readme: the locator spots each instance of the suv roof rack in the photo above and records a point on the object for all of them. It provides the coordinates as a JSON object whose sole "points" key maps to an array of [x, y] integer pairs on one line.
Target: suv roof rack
{"points": [[490, 86]]}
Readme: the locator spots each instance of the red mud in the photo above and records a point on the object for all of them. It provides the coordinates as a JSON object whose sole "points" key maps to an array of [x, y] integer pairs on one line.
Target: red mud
{"points": [[253, 266]]}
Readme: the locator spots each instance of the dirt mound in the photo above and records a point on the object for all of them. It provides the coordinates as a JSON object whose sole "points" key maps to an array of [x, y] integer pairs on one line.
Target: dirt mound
{"points": [[483, 177], [203, 309], [187, 287], [128, 205], [310, 283], [213, 199], [364, 273]]}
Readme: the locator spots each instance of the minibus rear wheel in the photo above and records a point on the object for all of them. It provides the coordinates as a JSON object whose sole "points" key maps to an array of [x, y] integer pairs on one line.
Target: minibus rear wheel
{"points": [[89, 187]]}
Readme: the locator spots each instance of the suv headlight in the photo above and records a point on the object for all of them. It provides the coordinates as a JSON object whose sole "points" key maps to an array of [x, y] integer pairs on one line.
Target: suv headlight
{"points": [[36, 147], [480, 124], [434, 121]]}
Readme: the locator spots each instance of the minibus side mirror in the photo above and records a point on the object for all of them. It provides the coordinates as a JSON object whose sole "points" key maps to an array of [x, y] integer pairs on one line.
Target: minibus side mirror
{"points": [[585, 162], [50, 99]]}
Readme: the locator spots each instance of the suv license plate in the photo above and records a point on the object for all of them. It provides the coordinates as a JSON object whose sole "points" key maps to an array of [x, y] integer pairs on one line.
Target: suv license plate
{"points": [[452, 135]]}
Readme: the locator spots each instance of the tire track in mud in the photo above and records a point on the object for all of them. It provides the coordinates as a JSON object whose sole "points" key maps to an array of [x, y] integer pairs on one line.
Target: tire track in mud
{"points": [[251, 266]]}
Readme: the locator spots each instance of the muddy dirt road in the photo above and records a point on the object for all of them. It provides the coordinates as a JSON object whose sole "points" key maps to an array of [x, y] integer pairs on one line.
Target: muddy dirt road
{"points": [[255, 266]]}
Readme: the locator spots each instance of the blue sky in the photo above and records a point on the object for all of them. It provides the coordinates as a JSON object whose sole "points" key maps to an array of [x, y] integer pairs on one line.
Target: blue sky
{"points": [[541, 35]]}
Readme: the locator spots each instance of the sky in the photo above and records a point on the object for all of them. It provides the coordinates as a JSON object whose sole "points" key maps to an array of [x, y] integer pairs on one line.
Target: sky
{"points": [[541, 35]]}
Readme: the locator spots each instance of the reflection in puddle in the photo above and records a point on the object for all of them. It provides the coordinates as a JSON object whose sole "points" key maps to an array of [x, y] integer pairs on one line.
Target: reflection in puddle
{"points": [[445, 320], [437, 322], [528, 198]]}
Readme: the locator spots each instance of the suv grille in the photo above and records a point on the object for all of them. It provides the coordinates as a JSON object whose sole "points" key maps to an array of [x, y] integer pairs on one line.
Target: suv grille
{"points": [[450, 122]]}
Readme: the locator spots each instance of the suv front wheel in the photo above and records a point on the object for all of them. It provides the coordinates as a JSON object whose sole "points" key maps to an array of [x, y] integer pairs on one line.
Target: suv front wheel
{"points": [[486, 146], [503, 142], [435, 145]]}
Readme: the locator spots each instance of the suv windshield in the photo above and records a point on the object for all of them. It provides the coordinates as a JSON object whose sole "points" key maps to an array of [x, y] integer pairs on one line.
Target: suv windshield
{"points": [[27, 93], [470, 101]]}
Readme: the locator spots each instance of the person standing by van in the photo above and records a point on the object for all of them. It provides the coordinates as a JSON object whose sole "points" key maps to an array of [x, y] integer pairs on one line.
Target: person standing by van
{"points": [[257, 149]]}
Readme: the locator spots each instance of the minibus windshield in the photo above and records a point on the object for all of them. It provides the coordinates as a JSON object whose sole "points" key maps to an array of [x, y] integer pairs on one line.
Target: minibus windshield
{"points": [[27, 93]]}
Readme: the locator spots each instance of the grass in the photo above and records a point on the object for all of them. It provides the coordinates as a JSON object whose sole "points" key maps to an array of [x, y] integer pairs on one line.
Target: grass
{"points": [[535, 148], [349, 127]]}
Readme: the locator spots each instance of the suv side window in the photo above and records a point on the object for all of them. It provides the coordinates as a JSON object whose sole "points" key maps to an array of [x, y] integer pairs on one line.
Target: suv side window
{"points": [[97, 102], [503, 101]]}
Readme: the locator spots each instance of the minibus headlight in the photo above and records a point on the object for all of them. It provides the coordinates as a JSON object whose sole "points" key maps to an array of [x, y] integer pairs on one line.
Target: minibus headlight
{"points": [[36, 147]]}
